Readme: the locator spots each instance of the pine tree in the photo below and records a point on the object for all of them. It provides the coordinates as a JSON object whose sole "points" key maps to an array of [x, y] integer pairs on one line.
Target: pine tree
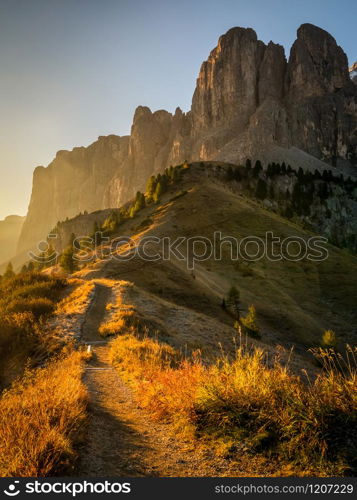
{"points": [[133, 211], [237, 175], [9, 273], [164, 182], [170, 172], [139, 201], [249, 322], [270, 170], [175, 175], [67, 261], [300, 174], [261, 190], [151, 186], [41, 261], [233, 302], [158, 192], [72, 239], [31, 267], [271, 192], [51, 256], [229, 174], [257, 168], [111, 223]]}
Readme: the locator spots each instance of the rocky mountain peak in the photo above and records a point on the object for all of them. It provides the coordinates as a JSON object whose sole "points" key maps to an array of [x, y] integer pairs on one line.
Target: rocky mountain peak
{"points": [[249, 101], [317, 65]]}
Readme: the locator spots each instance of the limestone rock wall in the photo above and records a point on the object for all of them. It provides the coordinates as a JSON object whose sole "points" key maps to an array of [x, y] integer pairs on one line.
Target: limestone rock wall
{"points": [[249, 101]]}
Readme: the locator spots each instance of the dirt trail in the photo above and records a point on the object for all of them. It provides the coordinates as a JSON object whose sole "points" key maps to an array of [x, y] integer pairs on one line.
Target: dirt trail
{"points": [[121, 440]]}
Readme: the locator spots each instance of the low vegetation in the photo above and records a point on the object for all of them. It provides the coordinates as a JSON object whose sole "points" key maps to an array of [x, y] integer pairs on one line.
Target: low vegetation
{"points": [[26, 300], [120, 318], [157, 186], [41, 417], [43, 402], [248, 404]]}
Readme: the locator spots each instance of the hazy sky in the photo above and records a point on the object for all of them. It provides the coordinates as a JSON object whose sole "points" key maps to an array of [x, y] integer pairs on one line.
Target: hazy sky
{"points": [[75, 69]]}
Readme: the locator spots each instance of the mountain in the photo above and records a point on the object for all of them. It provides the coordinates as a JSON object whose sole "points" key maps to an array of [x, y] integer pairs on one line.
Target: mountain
{"points": [[249, 101], [296, 299], [10, 229], [353, 72], [324, 204]]}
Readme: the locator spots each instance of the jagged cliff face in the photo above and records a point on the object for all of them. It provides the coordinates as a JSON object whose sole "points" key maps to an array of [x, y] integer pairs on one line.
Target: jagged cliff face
{"points": [[249, 102], [75, 181]]}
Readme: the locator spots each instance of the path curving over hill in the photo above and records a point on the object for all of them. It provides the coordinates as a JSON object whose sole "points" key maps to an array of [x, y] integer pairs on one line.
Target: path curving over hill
{"points": [[121, 440]]}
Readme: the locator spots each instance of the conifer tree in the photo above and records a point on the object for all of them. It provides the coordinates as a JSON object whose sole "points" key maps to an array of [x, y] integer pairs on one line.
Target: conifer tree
{"points": [[67, 261], [257, 168], [151, 186], [233, 302], [30, 266], [261, 190], [9, 273], [139, 201], [175, 175], [158, 192]]}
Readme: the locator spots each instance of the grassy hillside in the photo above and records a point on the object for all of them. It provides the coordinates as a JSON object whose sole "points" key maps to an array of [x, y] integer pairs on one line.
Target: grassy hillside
{"points": [[184, 358], [295, 301]]}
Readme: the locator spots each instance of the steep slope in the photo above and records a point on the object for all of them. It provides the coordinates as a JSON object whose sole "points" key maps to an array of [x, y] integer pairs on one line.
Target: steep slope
{"points": [[295, 300], [10, 229], [249, 102]]}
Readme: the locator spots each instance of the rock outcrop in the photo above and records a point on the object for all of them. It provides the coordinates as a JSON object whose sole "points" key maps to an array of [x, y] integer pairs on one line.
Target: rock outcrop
{"points": [[353, 72], [249, 101]]}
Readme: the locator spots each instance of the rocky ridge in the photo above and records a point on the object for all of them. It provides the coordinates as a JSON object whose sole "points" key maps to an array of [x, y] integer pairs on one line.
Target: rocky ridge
{"points": [[249, 101]]}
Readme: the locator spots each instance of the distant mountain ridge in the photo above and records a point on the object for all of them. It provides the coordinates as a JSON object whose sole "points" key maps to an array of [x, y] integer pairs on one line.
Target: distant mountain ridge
{"points": [[10, 229], [249, 102]]}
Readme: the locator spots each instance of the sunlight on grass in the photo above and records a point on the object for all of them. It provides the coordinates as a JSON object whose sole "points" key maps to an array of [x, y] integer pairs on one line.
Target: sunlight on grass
{"points": [[243, 401], [40, 418]]}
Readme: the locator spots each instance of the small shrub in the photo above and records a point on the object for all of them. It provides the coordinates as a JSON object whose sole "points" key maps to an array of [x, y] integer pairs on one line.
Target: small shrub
{"points": [[329, 339], [249, 323]]}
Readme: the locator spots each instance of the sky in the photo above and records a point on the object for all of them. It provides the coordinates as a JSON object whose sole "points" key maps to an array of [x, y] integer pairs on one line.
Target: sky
{"points": [[72, 70]]}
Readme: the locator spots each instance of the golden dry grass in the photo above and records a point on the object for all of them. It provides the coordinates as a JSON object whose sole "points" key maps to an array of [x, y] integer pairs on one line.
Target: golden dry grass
{"points": [[26, 301], [246, 402], [40, 418], [120, 317], [77, 301]]}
